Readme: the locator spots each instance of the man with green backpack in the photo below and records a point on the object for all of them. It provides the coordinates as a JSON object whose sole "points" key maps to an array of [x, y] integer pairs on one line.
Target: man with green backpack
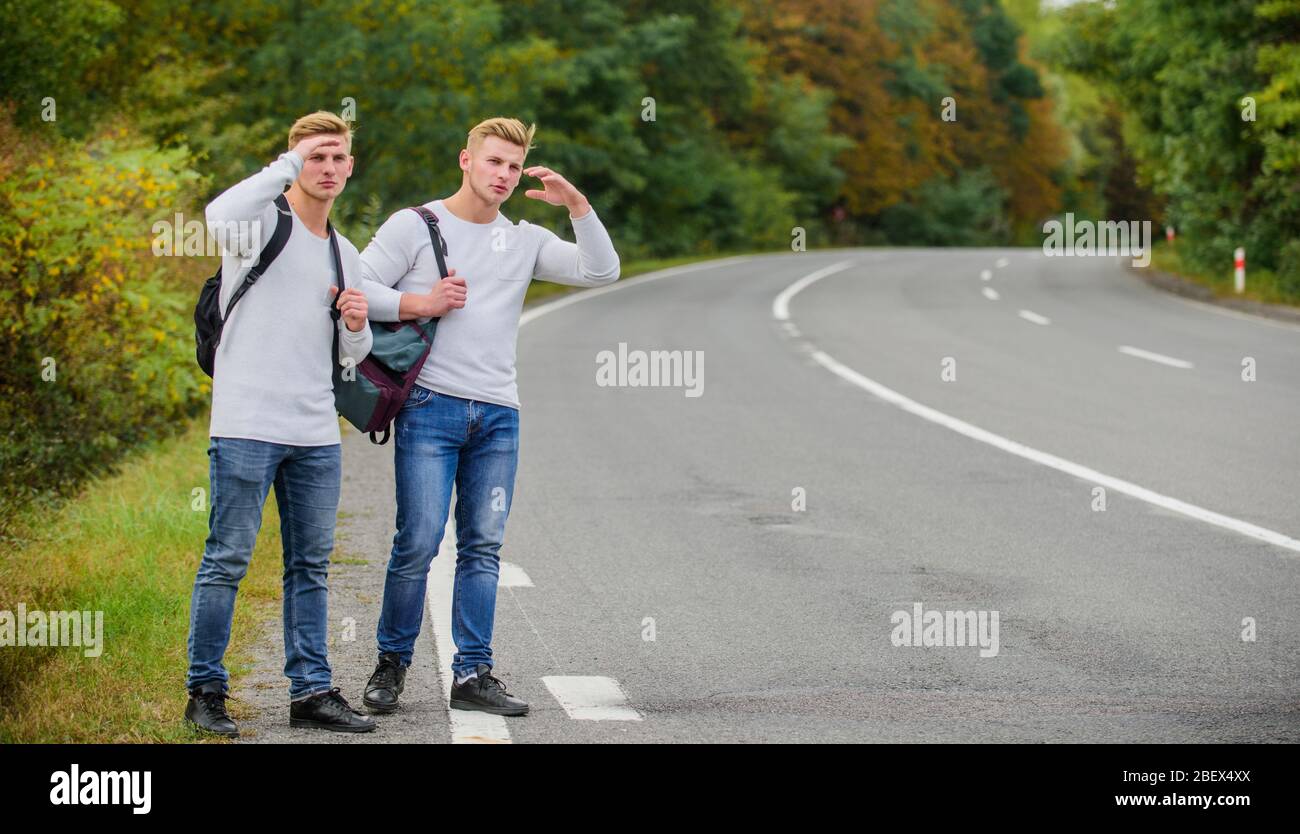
{"points": [[460, 421]]}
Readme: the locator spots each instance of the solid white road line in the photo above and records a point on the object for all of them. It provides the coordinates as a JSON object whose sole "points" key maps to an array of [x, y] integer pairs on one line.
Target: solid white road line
{"points": [[540, 310], [1030, 315], [1020, 450], [467, 727], [589, 698], [991, 294], [1155, 357], [781, 304]]}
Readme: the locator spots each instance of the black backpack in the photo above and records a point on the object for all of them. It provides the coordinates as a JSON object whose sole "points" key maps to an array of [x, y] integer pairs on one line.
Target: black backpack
{"points": [[208, 320]]}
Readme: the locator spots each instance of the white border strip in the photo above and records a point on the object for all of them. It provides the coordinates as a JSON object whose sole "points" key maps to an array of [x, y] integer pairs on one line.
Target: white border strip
{"points": [[781, 304], [467, 726], [542, 309]]}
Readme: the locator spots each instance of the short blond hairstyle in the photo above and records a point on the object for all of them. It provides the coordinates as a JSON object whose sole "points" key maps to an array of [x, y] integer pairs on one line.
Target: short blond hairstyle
{"points": [[511, 130], [315, 124]]}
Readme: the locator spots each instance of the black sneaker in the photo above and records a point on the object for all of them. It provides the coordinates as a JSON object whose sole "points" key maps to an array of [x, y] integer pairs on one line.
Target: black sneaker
{"points": [[329, 711], [206, 710], [486, 694], [385, 684]]}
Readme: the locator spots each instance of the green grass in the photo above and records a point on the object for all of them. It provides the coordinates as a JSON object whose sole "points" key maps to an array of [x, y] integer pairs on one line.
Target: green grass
{"points": [[128, 545], [1261, 284]]}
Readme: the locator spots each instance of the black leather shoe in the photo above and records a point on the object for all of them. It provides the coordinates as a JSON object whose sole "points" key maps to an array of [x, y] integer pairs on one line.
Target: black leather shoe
{"points": [[385, 684], [486, 694], [329, 711], [206, 710]]}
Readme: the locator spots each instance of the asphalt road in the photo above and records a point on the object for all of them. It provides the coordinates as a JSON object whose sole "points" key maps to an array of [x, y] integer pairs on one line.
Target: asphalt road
{"points": [[663, 556]]}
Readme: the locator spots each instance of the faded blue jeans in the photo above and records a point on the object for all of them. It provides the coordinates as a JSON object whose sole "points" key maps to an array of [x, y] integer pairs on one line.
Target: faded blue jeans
{"points": [[306, 480], [443, 440]]}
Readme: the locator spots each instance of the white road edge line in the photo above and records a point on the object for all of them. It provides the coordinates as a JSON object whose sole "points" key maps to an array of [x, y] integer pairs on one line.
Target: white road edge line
{"points": [[534, 313], [991, 294], [781, 304], [467, 727], [1030, 315], [1028, 453], [1155, 357]]}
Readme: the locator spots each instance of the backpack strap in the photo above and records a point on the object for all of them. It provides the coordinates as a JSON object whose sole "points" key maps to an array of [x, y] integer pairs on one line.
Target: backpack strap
{"points": [[335, 315], [283, 226], [435, 237]]}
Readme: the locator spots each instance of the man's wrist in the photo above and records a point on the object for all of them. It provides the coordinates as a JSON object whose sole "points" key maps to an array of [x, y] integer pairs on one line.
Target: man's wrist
{"points": [[579, 209], [414, 305]]}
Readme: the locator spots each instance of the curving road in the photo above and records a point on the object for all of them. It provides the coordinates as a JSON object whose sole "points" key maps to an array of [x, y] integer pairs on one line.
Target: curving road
{"points": [[642, 513]]}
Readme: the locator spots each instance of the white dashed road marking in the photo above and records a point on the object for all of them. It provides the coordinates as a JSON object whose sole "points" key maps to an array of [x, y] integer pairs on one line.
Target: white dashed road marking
{"points": [[591, 698], [1155, 357]]}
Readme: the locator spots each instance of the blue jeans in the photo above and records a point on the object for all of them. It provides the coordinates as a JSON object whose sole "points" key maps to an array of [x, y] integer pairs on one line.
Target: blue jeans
{"points": [[443, 440], [306, 480]]}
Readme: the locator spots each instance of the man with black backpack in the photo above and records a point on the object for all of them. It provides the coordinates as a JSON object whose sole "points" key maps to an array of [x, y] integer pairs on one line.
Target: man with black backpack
{"points": [[460, 422], [270, 348]]}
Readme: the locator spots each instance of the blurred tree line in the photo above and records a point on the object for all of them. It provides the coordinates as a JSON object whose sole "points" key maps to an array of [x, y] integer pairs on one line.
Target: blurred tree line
{"points": [[1186, 113], [767, 114]]}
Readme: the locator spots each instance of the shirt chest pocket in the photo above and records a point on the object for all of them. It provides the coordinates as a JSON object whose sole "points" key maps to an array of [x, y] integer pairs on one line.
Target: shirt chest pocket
{"points": [[509, 255]]}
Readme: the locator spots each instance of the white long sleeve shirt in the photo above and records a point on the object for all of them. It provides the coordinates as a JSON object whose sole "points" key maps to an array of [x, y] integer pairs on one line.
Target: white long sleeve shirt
{"points": [[473, 353], [272, 378]]}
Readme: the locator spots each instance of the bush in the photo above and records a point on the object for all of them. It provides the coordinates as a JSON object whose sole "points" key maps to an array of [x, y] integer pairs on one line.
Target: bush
{"points": [[96, 353]]}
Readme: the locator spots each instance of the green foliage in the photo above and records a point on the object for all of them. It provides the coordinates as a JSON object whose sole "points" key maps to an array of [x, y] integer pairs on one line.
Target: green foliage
{"points": [[48, 49], [1183, 74], [97, 347], [966, 211]]}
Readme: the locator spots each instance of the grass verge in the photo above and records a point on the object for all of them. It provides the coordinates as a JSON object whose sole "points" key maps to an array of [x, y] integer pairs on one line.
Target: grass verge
{"points": [[128, 545], [1261, 284]]}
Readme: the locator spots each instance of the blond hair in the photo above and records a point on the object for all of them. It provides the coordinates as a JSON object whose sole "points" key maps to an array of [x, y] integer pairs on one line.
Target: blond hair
{"points": [[314, 124], [511, 130]]}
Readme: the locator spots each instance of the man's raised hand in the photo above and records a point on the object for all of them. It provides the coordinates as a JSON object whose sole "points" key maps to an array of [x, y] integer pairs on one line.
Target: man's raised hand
{"points": [[557, 191], [310, 144]]}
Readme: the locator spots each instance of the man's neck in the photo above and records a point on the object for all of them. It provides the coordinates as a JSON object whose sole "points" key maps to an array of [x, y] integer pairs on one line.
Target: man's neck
{"points": [[469, 207], [314, 214]]}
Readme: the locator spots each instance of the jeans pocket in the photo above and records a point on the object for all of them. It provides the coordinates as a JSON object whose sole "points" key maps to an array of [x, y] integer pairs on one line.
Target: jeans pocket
{"points": [[418, 396]]}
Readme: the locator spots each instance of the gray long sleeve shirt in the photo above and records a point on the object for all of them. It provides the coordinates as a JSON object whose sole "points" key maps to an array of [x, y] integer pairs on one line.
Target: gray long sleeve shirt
{"points": [[473, 353], [272, 378]]}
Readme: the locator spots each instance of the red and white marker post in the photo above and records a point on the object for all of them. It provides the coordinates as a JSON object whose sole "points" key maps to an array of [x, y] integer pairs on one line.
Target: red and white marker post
{"points": [[1239, 269]]}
